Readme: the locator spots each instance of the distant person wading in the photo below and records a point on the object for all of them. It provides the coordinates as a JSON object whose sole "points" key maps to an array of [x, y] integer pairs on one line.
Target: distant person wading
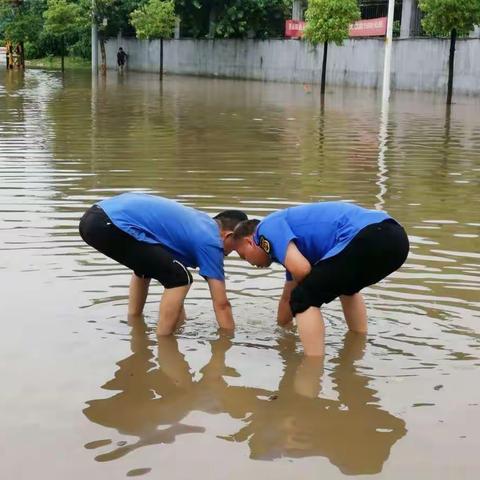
{"points": [[121, 59]]}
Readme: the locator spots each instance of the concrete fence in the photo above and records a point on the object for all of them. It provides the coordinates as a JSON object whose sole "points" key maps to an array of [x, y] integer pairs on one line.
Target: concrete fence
{"points": [[417, 64]]}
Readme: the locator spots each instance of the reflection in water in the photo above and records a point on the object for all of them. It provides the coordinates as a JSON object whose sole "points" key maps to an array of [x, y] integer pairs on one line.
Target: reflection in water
{"points": [[382, 175], [162, 395], [353, 432]]}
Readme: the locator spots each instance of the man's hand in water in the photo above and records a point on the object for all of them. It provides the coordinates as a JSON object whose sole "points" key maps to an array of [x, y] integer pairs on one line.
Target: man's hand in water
{"points": [[221, 305]]}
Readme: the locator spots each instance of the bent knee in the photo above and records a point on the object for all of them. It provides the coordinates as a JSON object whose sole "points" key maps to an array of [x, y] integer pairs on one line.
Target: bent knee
{"points": [[299, 300]]}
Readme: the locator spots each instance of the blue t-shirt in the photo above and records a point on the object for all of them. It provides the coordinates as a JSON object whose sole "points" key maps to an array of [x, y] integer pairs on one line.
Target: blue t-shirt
{"points": [[191, 236], [319, 230]]}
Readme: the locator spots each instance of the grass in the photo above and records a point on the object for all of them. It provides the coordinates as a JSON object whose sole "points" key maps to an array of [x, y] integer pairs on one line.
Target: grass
{"points": [[55, 63]]}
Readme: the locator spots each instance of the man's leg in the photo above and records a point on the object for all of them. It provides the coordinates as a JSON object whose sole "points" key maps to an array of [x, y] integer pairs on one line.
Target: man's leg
{"points": [[312, 331], [355, 312], [137, 294], [171, 309], [182, 317]]}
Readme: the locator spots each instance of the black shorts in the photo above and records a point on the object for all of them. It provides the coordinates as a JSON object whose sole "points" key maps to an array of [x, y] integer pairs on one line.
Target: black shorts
{"points": [[145, 259], [373, 254]]}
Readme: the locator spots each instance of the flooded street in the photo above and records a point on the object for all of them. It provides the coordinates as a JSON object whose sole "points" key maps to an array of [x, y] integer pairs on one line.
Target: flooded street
{"points": [[85, 394]]}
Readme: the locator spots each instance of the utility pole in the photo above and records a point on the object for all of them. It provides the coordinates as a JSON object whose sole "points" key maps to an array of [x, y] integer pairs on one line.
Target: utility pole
{"points": [[94, 41]]}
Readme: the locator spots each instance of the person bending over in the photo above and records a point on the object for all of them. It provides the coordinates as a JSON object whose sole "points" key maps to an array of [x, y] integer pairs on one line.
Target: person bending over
{"points": [[160, 238], [330, 250]]}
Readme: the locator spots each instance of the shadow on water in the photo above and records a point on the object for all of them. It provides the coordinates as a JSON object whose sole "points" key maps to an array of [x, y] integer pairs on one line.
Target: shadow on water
{"points": [[156, 394]]}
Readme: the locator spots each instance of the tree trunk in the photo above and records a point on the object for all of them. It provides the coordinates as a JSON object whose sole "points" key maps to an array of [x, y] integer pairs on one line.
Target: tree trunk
{"points": [[324, 69], [9, 56], [161, 59], [63, 55], [103, 67], [22, 56], [451, 60]]}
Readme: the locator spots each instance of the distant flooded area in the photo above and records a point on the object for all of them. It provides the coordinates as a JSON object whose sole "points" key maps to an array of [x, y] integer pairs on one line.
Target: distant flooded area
{"points": [[88, 394]]}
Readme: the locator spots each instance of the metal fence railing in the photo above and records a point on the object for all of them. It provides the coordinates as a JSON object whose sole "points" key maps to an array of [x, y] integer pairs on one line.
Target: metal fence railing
{"points": [[379, 8]]}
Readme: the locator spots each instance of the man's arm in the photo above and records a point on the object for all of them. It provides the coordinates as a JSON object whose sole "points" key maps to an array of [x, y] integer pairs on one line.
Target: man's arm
{"points": [[221, 305], [296, 263], [284, 314]]}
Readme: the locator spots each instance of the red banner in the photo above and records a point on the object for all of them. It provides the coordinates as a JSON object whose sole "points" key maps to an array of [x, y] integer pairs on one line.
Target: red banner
{"points": [[373, 27], [294, 28]]}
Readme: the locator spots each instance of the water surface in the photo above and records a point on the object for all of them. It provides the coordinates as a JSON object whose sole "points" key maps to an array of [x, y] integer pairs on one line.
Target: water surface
{"points": [[86, 394]]}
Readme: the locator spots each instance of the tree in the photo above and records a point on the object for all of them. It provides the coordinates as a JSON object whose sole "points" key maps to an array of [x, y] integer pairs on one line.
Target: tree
{"points": [[21, 22], [62, 20], [156, 19], [234, 18], [258, 18], [450, 18], [328, 21], [110, 17]]}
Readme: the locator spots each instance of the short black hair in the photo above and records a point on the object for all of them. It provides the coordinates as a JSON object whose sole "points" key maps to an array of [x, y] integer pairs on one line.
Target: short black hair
{"points": [[245, 229], [229, 219]]}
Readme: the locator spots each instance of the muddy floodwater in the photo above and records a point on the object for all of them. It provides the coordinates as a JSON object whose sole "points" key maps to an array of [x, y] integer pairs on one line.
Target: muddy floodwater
{"points": [[87, 395]]}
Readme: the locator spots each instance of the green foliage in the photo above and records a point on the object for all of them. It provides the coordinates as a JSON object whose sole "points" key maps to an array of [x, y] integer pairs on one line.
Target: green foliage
{"points": [[227, 19], [396, 28], [442, 16], [156, 19], [31, 50], [234, 18], [26, 23], [114, 12], [329, 20], [62, 19], [259, 18], [82, 47], [21, 23]]}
